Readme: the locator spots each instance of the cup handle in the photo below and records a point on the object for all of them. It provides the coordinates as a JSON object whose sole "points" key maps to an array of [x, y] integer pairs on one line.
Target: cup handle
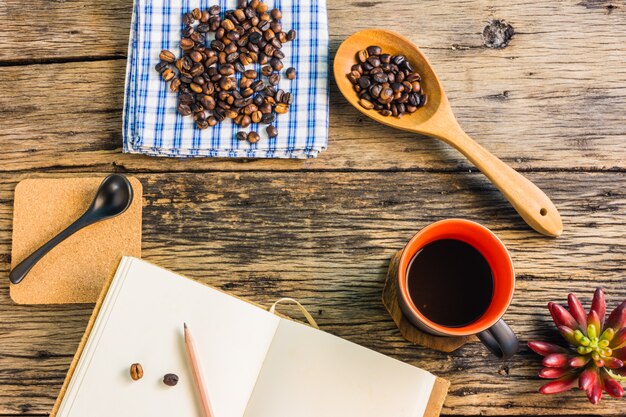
{"points": [[500, 340]]}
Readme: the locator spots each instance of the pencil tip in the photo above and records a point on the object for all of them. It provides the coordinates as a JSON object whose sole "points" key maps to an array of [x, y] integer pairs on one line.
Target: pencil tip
{"points": [[185, 324]]}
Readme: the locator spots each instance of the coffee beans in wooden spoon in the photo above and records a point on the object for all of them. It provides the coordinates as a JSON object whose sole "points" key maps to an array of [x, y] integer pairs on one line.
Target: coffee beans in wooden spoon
{"points": [[387, 83]]}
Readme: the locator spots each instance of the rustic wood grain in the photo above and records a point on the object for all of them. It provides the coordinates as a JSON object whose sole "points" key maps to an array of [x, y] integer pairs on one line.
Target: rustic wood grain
{"points": [[549, 100], [326, 238]]}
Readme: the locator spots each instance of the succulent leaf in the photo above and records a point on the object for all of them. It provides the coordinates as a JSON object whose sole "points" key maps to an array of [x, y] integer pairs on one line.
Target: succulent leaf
{"points": [[611, 386], [553, 373], [555, 360], [562, 384], [613, 363], [567, 333], [593, 325], [577, 311], [619, 340], [594, 392], [544, 348], [561, 316], [598, 305], [587, 378], [579, 361], [617, 318]]}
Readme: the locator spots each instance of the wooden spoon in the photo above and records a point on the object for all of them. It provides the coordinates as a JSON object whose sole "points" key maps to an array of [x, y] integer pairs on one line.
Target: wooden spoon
{"points": [[437, 120]]}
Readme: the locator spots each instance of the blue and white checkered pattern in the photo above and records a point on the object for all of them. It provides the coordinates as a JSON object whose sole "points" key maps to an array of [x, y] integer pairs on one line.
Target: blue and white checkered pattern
{"points": [[151, 124]]}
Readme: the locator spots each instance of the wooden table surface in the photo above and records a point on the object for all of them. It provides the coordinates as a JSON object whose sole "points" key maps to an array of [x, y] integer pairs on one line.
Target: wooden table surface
{"points": [[551, 104]]}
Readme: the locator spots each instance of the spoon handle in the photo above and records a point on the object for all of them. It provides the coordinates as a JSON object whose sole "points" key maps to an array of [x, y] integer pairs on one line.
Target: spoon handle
{"points": [[21, 270], [532, 204]]}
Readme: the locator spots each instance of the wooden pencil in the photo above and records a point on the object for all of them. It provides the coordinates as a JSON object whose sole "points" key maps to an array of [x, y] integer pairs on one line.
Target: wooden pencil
{"points": [[207, 411]]}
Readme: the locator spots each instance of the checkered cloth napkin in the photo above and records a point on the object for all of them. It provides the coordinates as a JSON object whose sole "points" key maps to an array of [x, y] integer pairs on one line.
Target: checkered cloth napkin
{"points": [[151, 124]]}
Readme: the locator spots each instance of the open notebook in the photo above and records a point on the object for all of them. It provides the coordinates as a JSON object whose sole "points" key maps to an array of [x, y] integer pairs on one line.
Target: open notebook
{"points": [[256, 364]]}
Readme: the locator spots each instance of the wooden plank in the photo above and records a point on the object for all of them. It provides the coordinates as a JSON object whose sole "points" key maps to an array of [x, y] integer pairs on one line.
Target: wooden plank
{"points": [[551, 99], [325, 238]]}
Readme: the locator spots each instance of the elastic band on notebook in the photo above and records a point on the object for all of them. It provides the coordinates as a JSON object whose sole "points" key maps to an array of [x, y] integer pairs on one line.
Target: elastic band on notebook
{"points": [[304, 311]]}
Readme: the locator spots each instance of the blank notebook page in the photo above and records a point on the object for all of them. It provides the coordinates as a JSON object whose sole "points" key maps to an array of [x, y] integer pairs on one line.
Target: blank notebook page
{"points": [[310, 373], [141, 320]]}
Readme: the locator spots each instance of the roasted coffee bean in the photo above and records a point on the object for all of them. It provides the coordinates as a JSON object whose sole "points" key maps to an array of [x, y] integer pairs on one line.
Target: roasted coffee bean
{"points": [[398, 59], [168, 74], [186, 44], [276, 14], [161, 66], [241, 135], [278, 54], [276, 63], [227, 69], [256, 116], [374, 50], [362, 56], [274, 79], [227, 83], [218, 45], [290, 73], [170, 380], [258, 85], [245, 82], [291, 35], [253, 137], [214, 10], [267, 70], [136, 371], [252, 74], [366, 104], [184, 109], [207, 101], [281, 108], [364, 81], [188, 19], [175, 85], [386, 93], [374, 61], [167, 56], [287, 98], [279, 95], [272, 132], [268, 118]]}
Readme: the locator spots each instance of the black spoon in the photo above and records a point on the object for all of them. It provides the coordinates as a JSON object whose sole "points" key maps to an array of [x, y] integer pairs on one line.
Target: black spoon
{"points": [[112, 199]]}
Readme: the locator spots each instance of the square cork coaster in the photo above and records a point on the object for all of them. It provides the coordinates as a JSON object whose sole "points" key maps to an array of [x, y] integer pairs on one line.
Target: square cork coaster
{"points": [[408, 330], [75, 270]]}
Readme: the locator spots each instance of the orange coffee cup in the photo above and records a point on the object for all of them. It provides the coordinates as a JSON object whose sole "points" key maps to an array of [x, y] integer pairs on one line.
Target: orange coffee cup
{"points": [[489, 327]]}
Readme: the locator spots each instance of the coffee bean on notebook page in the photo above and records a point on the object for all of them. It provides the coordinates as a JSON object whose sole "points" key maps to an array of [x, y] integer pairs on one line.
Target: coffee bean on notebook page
{"points": [[136, 371], [290, 73], [170, 380]]}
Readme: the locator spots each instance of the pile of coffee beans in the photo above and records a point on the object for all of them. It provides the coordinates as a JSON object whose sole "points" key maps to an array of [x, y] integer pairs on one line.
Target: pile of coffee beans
{"points": [[212, 77], [386, 83]]}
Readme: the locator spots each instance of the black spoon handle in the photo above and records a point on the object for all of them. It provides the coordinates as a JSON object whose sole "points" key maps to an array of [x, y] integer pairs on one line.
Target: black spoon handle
{"points": [[20, 271]]}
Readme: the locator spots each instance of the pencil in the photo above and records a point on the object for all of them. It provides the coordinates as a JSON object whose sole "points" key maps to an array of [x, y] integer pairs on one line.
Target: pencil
{"points": [[207, 411]]}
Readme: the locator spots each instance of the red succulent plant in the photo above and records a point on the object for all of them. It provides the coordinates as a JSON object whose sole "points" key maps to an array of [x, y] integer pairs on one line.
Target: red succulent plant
{"points": [[596, 359]]}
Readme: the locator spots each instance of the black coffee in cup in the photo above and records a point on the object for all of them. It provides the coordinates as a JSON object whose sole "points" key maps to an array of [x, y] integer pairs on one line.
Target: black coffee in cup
{"points": [[450, 282]]}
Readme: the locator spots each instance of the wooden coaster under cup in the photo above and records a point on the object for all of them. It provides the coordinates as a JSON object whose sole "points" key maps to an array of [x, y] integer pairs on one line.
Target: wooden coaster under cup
{"points": [[409, 331], [74, 271]]}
